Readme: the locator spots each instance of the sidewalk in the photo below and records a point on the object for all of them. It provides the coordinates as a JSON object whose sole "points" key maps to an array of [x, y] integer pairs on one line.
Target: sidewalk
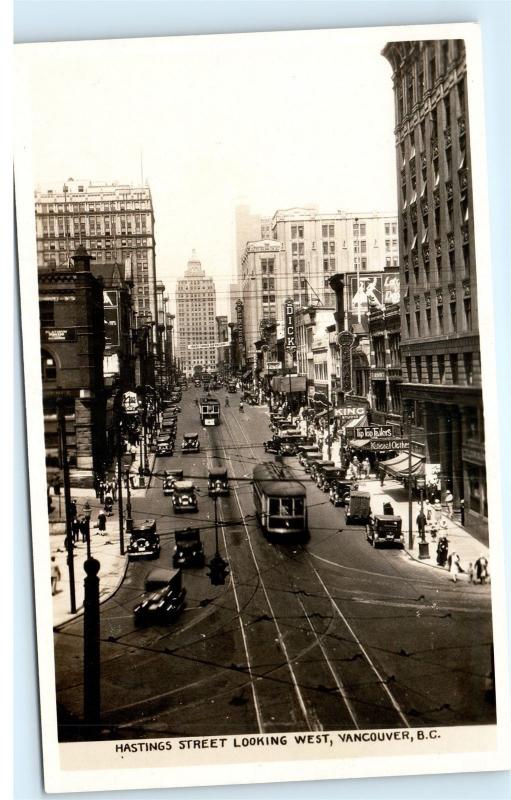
{"points": [[460, 540], [104, 548]]}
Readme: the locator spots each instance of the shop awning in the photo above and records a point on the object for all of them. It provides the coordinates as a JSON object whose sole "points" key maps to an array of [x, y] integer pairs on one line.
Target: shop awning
{"points": [[399, 466], [356, 422], [359, 444], [247, 374]]}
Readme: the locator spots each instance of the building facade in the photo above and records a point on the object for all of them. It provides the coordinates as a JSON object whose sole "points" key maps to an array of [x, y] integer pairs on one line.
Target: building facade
{"points": [[114, 222], [385, 366], [195, 319], [222, 338], [262, 288], [71, 309], [440, 351]]}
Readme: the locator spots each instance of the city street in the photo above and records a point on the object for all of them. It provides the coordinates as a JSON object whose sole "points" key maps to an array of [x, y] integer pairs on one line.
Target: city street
{"points": [[331, 634]]}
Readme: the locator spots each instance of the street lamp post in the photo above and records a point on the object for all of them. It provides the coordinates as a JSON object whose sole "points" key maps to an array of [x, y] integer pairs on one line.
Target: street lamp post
{"points": [[119, 472], [410, 513], [61, 416]]}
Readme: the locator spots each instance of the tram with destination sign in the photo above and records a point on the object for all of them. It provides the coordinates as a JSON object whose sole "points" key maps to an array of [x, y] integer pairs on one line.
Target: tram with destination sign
{"points": [[280, 501], [209, 410]]}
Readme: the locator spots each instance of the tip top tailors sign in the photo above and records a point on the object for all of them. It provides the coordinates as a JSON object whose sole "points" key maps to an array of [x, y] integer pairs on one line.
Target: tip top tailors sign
{"points": [[373, 432], [389, 445], [289, 326]]}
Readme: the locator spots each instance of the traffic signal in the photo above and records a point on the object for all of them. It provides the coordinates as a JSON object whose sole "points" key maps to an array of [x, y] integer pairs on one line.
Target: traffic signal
{"points": [[218, 570]]}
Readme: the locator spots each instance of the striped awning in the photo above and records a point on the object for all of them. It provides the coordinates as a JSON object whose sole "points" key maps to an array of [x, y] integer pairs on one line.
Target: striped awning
{"points": [[399, 466]]}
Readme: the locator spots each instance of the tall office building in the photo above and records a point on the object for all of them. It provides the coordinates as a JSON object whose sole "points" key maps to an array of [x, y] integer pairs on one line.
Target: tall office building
{"points": [[440, 352], [113, 222], [195, 319]]}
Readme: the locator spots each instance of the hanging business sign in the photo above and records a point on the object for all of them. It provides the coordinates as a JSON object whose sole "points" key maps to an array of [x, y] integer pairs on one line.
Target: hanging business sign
{"points": [[239, 320], [59, 334], [389, 445], [289, 326], [350, 411], [373, 432]]}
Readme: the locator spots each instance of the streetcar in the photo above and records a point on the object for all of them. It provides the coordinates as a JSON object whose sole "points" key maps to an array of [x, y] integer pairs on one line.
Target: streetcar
{"points": [[209, 410], [280, 501]]}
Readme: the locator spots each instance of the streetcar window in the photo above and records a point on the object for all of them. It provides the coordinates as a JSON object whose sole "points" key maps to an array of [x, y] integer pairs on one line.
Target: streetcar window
{"points": [[287, 506], [299, 506], [274, 506]]}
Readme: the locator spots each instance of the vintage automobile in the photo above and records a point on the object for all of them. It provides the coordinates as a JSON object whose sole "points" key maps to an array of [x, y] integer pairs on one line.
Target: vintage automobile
{"points": [[340, 491], [304, 450], [169, 479], [358, 508], [272, 445], [310, 459], [290, 441], [316, 465], [168, 423], [164, 598], [175, 397], [218, 482], [326, 475], [184, 497], [144, 541], [231, 387], [190, 443], [385, 529], [164, 445], [188, 551]]}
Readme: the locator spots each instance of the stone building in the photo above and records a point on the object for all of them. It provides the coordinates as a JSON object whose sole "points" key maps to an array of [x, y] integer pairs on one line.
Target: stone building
{"points": [[440, 352], [195, 319]]}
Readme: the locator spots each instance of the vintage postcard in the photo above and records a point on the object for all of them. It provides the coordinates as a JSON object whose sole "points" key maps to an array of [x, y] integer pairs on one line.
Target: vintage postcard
{"points": [[258, 343]]}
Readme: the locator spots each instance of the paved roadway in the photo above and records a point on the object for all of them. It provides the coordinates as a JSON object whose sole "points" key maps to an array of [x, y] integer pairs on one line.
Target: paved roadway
{"points": [[323, 636]]}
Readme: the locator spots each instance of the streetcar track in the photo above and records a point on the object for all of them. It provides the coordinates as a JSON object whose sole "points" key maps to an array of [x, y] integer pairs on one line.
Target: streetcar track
{"points": [[369, 661]]}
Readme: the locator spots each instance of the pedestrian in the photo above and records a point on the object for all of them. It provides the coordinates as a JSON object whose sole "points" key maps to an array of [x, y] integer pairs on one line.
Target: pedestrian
{"points": [[366, 466], [114, 489], [72, 508], [421, 524], [462, 512], [109, 501], [84, 528], [428, 510], [96, 485], [442, 551], [454, 566], [75, 529], [102, 492], [449, 502], [55, 575], [437, 511], [102, 523], [382, 476], [471, 573], [481, 568]]}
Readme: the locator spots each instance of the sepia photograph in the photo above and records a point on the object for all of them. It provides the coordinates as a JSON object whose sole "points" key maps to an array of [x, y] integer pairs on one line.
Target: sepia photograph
{"points": [[255, 287]]}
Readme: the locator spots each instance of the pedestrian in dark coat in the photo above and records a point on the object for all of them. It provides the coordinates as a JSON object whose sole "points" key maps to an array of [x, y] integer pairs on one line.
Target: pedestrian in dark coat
{"points": [[421, 524], [75, 529], [85, 528], [442, 551], [102, 522], [96, 485], [101, 492], [72, 509], [481, 569]]}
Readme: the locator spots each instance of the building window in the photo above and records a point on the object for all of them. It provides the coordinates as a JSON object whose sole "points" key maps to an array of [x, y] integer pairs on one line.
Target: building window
{"points": [[418, 368], [379, 351], [429, 368], [428, 320], [408, 362], [452, 308], [475, 490], [48, 367], [441, 367], [47, 313], [453, 361], [468, 364], [467, 307]]}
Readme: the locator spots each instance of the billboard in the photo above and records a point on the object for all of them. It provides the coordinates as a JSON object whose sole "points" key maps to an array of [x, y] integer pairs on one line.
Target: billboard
{"points": [[371, 291]]}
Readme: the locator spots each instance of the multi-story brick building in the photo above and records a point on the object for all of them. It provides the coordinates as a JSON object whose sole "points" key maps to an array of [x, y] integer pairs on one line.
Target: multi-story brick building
{"points": [[440, 335], [195, 319], [113, 222]]}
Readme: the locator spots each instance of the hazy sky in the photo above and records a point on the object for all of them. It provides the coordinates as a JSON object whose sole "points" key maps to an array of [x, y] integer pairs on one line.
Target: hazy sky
{"points": [[273, 120]]}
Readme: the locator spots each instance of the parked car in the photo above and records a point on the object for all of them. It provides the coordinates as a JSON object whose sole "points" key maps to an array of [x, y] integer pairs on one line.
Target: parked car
{"points": [[190, 443], [385, 529], [304, 450], [326, 475], [164, 445], [358, 508], [340, 491], [144, 541], [170, 477], [310, 459], [272, 445], [184, 497], [318, 464], [188, 551], [164, 598], [290, 442]]}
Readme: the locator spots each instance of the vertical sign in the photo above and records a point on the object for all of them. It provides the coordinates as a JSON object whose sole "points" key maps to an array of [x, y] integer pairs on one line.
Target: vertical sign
{"points": [[289, 326], [239, 320], [345, 340]]}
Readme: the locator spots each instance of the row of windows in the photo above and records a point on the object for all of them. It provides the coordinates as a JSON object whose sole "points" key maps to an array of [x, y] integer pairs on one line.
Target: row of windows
{"points": [[434, 369], [414, 84], [424, 324], [101, 207]]}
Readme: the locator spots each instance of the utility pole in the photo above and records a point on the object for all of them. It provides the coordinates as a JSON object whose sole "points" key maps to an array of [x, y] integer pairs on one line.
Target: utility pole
{"points": [[329, 438], [67, 498], [410, 514], [118, 409]]}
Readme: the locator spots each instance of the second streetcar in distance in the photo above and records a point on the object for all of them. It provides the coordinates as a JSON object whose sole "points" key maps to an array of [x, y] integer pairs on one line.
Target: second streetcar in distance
{"points": [[280, 501], [209, 410]]}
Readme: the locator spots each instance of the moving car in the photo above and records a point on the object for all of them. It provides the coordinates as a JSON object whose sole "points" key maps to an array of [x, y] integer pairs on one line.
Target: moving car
{"points": [[385, 529], [358, 508], [218, 482], [170, 477], [144, 541], [184, 497], [190, 443], [231, 387], [166, 599], [188, 551]]}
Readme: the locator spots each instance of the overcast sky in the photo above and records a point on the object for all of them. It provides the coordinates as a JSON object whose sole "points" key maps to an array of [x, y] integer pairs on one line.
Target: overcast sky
{"points": [[273, 120]]}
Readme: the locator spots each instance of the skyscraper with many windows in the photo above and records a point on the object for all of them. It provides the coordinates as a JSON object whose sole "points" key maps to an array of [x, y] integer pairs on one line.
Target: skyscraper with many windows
{"points": [[195, 319], [440, 353], [114, 222]]}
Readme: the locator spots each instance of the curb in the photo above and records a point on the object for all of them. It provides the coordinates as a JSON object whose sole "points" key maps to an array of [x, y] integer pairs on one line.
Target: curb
{"points": [[80, 612]]}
